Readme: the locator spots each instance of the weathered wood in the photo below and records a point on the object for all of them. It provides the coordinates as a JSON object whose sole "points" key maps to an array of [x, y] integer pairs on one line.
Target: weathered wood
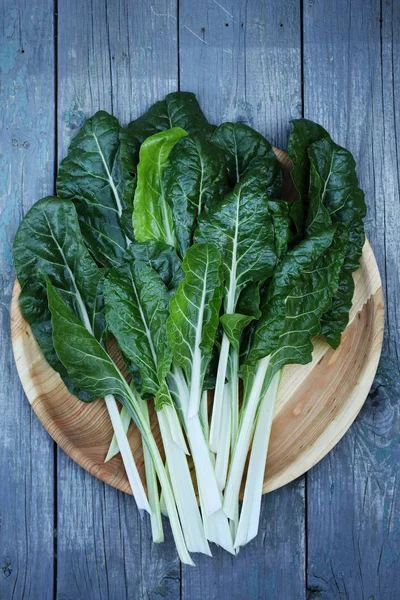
{"points": [[26, 174], [244, 66], [351, 57], [120, 57]]}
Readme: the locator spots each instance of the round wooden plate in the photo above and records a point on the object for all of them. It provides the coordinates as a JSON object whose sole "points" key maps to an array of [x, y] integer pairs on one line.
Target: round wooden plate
{"points": [[316, 404]]}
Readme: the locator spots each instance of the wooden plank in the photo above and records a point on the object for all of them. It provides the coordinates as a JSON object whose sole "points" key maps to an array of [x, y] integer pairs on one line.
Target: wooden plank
{"points": [[120, 57], [236, 57], [26, 174], [351, 58]]}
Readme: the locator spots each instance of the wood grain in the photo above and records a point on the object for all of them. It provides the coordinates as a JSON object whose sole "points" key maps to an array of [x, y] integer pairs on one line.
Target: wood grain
{"points": [[351, 75], [27, 135]]}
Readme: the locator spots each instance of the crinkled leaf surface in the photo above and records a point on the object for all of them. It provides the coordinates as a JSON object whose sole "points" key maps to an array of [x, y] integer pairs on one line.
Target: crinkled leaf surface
{"points": [[195, 176], [194, 309], [162, 258], [284, 280], [95, 175], [244, 148], [304, 133], [179, 109], [280, 215], [137, 310], [240, 226], [334, 194], [49, 244], [152, 214], [87, 363]]}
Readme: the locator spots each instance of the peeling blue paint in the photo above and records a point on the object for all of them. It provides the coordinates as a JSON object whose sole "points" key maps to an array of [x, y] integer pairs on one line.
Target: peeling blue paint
{"points": [[74, 117]]}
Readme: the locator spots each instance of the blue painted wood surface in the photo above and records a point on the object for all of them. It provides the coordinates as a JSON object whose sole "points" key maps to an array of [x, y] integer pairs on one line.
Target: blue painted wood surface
{"points": [[333, 534]]}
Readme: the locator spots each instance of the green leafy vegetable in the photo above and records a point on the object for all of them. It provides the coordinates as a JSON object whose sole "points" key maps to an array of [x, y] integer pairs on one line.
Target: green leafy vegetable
{"points": [[304, 133], [240, 226], [152, 214], [173, 236], [137, 310], [179, 109], [95, 176], [89, 365], [334, 191], [244, 149], [195, 176], [193, 320], [49, 243], [49, 251]]}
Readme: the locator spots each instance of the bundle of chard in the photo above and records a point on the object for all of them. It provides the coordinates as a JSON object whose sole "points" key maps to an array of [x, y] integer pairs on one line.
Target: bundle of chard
{"points": [[172, 236]]}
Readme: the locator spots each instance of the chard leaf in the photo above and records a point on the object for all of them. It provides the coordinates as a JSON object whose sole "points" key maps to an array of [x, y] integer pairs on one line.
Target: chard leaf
{"points": [[96, 176], [336, 318], [305, 305], [137, 310], [152, 214], [240, 226], [249, 300], [162, 258], [233, 325], [195, 176], [334, 194], [49, 245], [304, 133], [194, 310], [286, 277], [280, 215], [86, 361], [179, 109], [245, 148]]}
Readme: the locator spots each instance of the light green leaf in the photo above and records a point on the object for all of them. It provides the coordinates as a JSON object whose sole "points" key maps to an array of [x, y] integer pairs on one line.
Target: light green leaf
{"points": [[152, 214]]}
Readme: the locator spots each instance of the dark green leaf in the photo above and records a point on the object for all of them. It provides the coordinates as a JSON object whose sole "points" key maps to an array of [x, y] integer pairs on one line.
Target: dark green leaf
{"points": [[137, 310], [179, 109], [286, 277], [194, 309], [244, 149], [87, 363], [240, 226], [304, 133], [335, 195], [280, 215], [94, 176], [162, 258], [49, 244], [195, 175]]}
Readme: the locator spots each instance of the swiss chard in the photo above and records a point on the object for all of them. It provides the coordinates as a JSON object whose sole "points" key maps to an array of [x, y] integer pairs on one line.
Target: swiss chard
{"points": [[49, 251], [152, 214], [137, 310], [240, 226], [90, 366], [95, 176]]}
